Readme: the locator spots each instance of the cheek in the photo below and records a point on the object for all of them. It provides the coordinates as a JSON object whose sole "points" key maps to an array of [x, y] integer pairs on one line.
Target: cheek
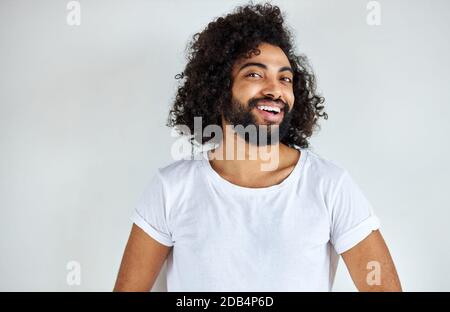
{"points": [[291, 101], [244, 90], [290, 97]]}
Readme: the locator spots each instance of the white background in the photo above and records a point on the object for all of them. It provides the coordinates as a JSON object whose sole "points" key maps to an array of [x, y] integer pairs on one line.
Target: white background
{"points": [[83, 112]]}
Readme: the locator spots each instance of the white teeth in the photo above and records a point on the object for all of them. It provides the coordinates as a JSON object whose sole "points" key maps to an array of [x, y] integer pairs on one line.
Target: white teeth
{"points": [[269, 108]]}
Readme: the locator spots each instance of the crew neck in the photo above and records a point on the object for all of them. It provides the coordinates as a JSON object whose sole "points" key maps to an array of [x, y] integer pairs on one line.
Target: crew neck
{"points": [[227, 185]]}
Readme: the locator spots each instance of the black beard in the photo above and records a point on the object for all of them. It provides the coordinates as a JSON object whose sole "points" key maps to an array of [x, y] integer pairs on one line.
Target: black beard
{"points": [[239, 114]]}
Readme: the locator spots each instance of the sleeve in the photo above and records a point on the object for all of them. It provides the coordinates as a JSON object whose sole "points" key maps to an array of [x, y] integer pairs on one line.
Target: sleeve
{"points": [[352, 215], [150, 213]]}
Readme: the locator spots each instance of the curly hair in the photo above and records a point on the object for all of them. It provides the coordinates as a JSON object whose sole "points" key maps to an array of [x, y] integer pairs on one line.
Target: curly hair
{"points": [[206, 81]]}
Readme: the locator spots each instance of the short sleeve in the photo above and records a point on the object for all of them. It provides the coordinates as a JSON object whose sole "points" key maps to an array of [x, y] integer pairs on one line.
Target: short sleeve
{"points": [[352, 215], [150, 213]]}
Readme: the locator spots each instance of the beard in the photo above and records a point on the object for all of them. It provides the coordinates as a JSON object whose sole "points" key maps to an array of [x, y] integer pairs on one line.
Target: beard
{"points": [[237, 114]]}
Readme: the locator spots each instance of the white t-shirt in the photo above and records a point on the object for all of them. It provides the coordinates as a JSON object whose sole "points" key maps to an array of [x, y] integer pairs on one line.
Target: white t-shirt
{"points": [[225, 237]]}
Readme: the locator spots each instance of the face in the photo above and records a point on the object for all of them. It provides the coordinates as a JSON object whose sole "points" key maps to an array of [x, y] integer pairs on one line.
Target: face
{"points": [[262, 94]]}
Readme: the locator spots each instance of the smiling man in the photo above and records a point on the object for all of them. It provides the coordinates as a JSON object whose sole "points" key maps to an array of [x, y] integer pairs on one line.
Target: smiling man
{"points": [[221, 221]]}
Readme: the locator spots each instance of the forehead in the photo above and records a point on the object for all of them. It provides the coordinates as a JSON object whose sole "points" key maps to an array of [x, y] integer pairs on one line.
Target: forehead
{"points": [[270, 55]]}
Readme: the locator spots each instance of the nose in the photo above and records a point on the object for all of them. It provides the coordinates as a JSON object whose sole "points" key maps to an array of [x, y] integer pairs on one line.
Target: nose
{"points": [[272, 90]]}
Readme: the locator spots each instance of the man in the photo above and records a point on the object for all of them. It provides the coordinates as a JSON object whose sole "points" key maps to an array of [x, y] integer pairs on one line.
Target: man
{"points": [[227, 223]]}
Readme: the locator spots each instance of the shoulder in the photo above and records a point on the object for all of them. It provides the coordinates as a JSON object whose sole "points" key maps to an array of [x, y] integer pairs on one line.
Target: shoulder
{"points": [[336, 184], [324, 169], [180, 170]]}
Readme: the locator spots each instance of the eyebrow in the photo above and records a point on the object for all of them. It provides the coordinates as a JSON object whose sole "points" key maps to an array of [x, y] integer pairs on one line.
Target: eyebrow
{"points": [[284, 68]]}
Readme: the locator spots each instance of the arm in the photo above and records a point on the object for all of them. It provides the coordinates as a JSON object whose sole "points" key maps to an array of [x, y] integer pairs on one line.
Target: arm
{"points": [[369, 258], [141, 262]]}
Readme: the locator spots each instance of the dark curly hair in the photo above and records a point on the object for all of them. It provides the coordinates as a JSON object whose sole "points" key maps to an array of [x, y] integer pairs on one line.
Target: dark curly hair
{"points": [[206, 81]]}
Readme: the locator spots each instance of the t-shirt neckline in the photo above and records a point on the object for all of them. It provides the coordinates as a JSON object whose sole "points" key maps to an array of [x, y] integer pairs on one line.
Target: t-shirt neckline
{"points": [[223, 183]]}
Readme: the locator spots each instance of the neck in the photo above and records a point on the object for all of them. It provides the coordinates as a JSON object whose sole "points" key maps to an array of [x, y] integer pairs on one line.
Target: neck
{"points": [[239, 158]]}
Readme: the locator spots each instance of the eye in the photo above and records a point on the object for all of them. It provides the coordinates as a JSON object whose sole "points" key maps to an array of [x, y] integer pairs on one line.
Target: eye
{"points": [[287, 79], [250, 75]]}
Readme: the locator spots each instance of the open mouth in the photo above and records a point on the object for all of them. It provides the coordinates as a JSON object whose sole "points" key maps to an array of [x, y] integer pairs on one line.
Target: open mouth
{"points": [[269, 109], [270, 114]]}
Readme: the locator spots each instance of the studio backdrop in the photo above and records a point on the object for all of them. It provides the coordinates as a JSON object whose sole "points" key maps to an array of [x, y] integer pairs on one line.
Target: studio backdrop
{"points": [[85, 91]]}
